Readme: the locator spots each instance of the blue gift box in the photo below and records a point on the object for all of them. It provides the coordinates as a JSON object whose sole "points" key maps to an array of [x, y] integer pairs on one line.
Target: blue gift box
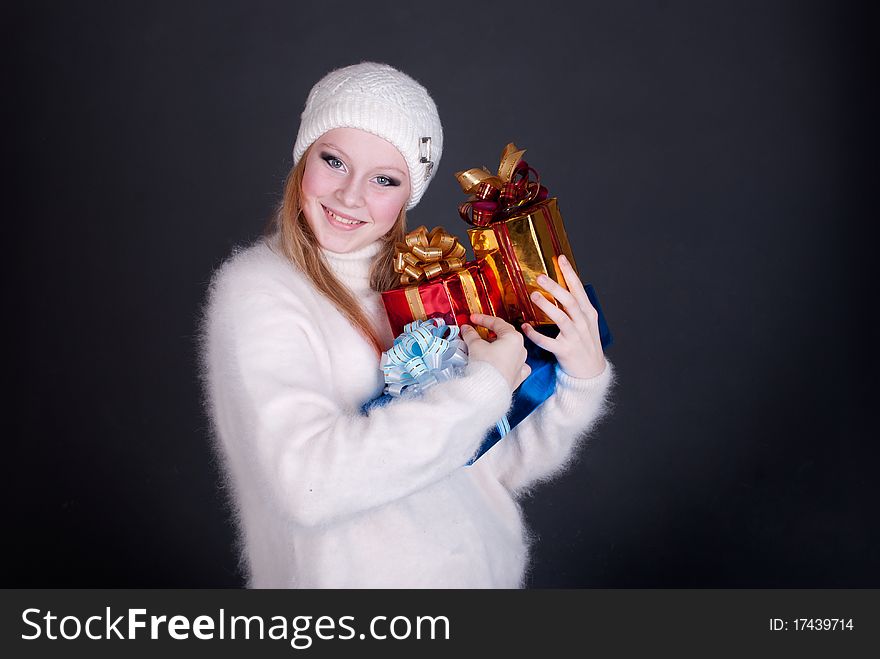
{"points": [[540, 384]]}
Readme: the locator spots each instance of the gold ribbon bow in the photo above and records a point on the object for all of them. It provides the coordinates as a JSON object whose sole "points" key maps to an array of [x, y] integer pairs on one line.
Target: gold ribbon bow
{"points": [[426, 255], [471, 179]]}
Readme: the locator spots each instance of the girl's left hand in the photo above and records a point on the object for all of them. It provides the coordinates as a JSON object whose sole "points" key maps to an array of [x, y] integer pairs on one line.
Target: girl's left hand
{"points": [[578, 348]]}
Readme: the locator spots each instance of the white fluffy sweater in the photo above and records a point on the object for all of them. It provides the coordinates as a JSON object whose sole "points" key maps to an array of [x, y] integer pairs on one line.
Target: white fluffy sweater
{"points": [[326, 497]]}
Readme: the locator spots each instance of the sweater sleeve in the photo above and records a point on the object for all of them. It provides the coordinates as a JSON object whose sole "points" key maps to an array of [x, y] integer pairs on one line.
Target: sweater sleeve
{"points": [[273, 400], [544, 442]]}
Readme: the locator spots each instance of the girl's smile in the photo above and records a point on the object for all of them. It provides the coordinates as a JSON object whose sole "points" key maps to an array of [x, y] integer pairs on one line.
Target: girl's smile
{"points": [[341, 221]]}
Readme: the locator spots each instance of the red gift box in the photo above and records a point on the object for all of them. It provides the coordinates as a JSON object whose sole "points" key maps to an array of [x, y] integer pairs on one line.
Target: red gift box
{"points": [[474, 288]]}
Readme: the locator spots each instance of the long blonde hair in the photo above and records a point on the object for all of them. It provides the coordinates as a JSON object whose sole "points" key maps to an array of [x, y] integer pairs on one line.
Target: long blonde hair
{"points": [[299, 245]]}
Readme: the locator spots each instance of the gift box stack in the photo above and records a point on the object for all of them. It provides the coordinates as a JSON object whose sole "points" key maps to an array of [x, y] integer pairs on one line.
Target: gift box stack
{"points": [[517, 234]]}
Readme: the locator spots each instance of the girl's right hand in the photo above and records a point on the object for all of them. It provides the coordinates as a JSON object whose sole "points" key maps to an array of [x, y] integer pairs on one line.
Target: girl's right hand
{"points": [[506, 353]]}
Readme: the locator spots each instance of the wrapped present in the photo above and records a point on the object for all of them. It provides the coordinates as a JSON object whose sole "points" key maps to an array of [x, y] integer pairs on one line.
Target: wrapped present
{"points": [[437, 283], [517, 230]]}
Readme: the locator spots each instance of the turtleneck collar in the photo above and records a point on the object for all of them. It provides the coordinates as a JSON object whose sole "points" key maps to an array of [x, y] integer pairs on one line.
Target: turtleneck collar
{"points": [[353, 268]]}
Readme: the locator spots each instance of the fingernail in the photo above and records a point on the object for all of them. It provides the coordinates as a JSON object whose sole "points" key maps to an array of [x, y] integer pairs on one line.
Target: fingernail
{"points": [[536, 295], [562, 259]]}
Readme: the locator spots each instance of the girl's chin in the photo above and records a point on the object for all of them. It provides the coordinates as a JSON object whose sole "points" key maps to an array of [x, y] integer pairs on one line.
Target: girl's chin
{"points": [[341, 246]]}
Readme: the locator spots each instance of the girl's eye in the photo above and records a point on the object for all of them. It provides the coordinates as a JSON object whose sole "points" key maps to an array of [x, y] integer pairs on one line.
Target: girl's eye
{"points": [[333, 161], [386, 182]]}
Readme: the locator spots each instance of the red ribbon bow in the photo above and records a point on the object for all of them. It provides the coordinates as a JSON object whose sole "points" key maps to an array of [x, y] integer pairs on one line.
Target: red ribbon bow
{"points": [[496, 196]]}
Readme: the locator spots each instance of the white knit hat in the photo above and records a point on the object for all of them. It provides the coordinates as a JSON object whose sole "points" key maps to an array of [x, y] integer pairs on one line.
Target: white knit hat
{"points": [[383, 101]]}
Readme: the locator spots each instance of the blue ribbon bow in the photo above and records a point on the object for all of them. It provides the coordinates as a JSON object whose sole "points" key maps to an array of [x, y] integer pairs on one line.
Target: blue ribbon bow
{"points": [[427, 352]]}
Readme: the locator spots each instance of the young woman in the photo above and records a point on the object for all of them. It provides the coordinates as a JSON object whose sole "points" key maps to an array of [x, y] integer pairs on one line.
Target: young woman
{"points": [[323, 495]]}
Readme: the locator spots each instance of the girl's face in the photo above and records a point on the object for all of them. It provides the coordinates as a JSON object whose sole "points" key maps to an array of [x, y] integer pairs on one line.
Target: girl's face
{"points": [[353, 188]]}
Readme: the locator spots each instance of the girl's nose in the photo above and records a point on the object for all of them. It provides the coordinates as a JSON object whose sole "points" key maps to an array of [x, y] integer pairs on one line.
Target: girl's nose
{"points": [[351, 194]]}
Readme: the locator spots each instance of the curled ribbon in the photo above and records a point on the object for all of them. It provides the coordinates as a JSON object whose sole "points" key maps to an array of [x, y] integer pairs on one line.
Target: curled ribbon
{"points": [[427, 352], [425, 255], [496, 195]]}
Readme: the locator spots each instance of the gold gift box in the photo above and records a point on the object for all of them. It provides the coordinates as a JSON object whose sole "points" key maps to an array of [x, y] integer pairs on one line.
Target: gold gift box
{"points": [[519, 249]]}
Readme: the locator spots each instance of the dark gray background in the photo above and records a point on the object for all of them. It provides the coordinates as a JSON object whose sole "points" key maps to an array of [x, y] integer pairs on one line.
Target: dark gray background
{"points": [[712, 162]]}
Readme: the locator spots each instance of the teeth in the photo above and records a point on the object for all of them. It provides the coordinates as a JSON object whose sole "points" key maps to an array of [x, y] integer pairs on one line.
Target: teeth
{"points": [[341, 219]]}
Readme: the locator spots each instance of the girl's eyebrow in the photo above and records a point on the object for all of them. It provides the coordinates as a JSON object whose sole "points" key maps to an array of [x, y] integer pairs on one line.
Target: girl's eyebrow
{"points": [[336, 148], [345, 155]]}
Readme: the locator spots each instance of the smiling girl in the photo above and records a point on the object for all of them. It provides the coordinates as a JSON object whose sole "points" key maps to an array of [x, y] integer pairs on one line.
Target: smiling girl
{"points": [[324, 496]]}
